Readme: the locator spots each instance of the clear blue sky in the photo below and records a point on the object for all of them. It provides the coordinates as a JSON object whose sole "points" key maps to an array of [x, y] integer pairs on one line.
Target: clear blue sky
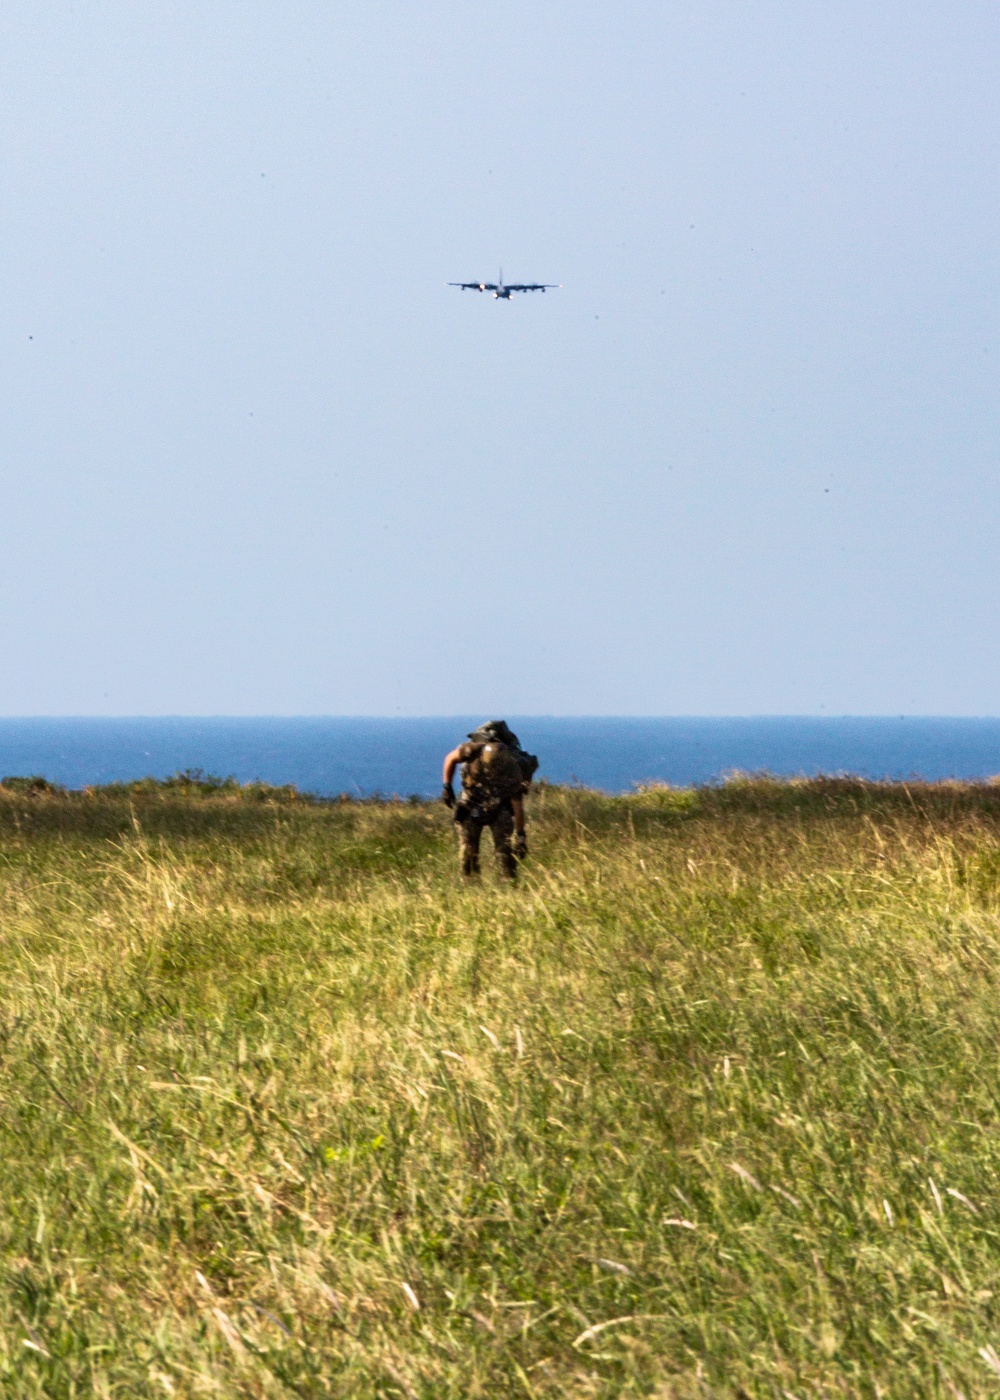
{"points": [[259, 459]]}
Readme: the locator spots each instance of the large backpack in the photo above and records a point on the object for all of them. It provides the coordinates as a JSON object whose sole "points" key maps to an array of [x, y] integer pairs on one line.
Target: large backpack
{"points": [[496, 731]]}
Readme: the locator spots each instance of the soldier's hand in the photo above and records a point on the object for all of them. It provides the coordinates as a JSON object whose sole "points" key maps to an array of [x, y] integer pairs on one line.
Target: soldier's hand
{"points": [[448, 796], [520, 845]]}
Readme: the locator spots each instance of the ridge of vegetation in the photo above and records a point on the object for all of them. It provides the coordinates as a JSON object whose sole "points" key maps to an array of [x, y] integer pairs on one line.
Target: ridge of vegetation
{"points": [[708, 1105]]}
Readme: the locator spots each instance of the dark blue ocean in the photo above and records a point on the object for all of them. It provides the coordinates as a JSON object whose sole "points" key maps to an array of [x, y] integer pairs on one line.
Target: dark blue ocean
{"points": [[366, 756]]}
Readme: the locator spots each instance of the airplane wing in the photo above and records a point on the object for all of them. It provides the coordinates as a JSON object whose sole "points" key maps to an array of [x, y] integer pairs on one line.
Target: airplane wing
{"points": [[475, 286], [531, 286]]}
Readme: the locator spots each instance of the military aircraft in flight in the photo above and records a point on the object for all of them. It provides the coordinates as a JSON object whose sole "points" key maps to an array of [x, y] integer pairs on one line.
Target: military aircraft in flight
{"points": [[501, 290]]}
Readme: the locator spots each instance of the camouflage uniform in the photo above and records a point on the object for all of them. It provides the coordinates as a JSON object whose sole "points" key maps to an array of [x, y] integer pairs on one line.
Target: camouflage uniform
{"points": [[491, 779]]}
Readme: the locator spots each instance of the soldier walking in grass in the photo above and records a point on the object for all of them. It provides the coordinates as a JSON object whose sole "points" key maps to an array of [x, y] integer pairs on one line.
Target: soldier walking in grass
{"points": [[496, 773]]}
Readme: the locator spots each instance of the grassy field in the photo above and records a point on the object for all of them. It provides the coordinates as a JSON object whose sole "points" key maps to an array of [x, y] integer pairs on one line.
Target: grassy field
{"points": [[709, 1105]]}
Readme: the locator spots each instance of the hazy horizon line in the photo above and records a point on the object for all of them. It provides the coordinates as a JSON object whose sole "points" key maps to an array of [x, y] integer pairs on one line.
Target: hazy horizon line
{"points": [[511, 715]]}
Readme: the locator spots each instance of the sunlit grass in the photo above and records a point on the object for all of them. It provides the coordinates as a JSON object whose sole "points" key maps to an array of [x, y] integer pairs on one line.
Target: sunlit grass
{"points": [[707, 1105]]}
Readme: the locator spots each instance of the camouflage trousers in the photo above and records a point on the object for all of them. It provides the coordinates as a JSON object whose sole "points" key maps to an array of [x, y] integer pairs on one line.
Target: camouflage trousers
{"points": [[470, 822]]}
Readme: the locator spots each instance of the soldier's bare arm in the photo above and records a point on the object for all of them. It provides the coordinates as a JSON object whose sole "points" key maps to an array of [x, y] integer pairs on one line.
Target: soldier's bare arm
{"points": [[519, 845], [451, 762]]}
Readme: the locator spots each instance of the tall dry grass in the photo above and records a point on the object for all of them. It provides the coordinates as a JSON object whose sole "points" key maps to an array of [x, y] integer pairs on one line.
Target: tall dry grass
{"points": [[707, 1106]]}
